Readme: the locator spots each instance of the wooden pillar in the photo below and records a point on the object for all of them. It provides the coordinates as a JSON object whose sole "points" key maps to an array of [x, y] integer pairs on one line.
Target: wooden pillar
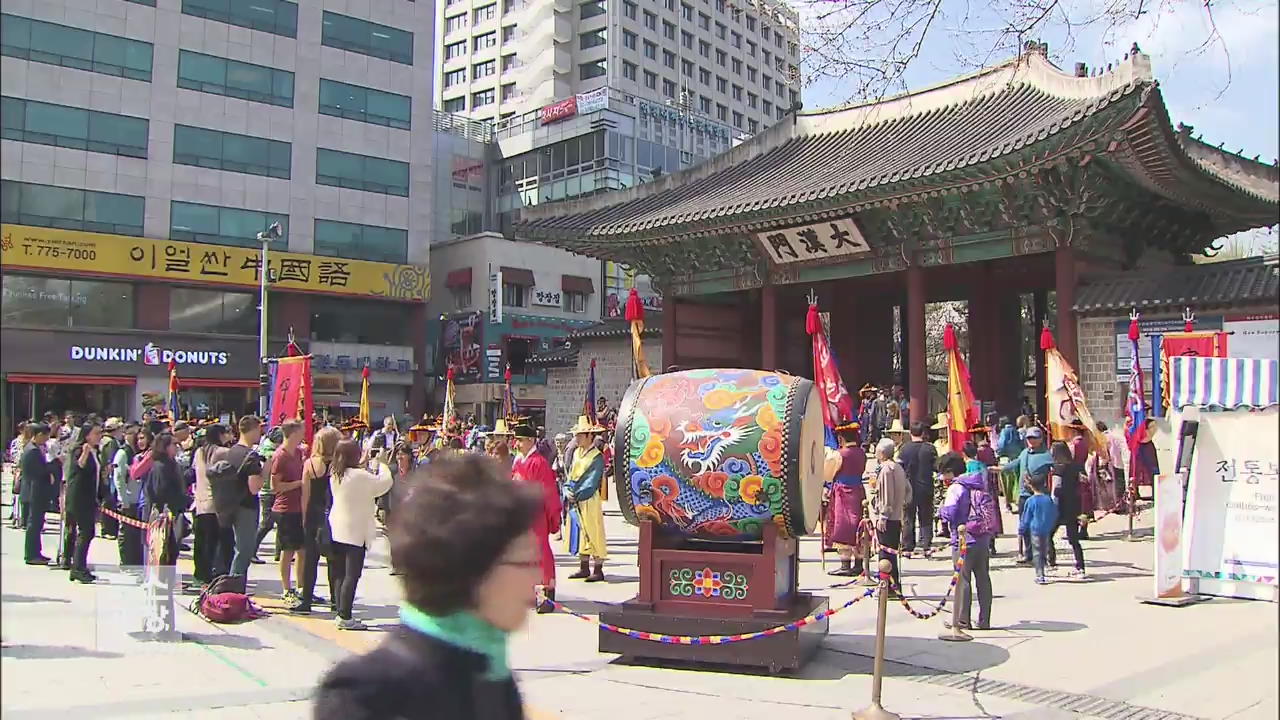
{"points": [[668, 333], [1064, 274], [981, 346], [917, 373], [1039, 311], [1007, 351], [769, 327]]}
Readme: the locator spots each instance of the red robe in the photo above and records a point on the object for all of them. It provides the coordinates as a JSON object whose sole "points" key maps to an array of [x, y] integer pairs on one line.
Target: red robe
{"points": [[534, 468]]}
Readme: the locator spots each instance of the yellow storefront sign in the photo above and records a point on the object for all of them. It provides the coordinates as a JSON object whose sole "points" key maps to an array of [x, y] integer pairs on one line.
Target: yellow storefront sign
{"points": [[46, 249]]}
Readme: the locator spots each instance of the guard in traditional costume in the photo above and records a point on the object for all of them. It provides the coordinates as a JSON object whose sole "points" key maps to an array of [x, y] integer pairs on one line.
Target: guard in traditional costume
{"points": [[531, 466], [871, 412], [844, 512], [582, 492]]}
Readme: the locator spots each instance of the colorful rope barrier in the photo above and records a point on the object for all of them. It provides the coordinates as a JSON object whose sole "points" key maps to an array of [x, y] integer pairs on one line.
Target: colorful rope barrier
{"points": [[710, 639], [951, 586], [131, 522]]}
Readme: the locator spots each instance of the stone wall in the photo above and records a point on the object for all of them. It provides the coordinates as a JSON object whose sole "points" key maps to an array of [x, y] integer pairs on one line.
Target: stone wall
{"points": [[566, 387]]}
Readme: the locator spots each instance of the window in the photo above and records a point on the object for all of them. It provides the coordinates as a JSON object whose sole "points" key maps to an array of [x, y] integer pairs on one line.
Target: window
{"points": [[704, 48], [721, 31], [650, 80], [722, 85], [231, 152], [737, 40], [191, 222], [366, 38], [650, 50], [737, 93], [704, 21], [44, 42], [482, 98], [721, 58], [484, 69], [751, 23], [768, 58], [595, 38], [628, 70], [70, 127], [484, 14], [362, 172], [454, 105], [213, 311], [461, 296], [591, 9], [753, 126], [455, 77], [751, 74], [722, 112], [686, 12], [509, 34], [277, 17], [455, 50], [512, 295], [575, 302], [595, 69], [767, 107], [668, 88], [58, 302], [766, 82], [361, 242], [737, 119], [650, 20], [737, 66], [371, 322], [455, 23], [70, 209], [752, 100], [686, 68], [628, 39], [509, 6], [629, 9], [704, 76], [365, 104], [668, 30], [669, 58], [704, 104], [781, 113], [510, 62], [221, 76], [509, 92], [484, 42]]}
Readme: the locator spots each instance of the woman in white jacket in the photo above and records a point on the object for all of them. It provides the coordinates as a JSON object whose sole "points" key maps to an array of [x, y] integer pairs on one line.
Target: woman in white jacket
{"points": [[351, 523]]}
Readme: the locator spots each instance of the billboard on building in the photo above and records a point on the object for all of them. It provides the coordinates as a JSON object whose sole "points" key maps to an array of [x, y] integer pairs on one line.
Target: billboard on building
{"points": [[460, 342]]}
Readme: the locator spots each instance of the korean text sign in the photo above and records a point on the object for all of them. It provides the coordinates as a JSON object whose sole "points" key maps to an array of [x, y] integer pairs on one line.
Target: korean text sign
{"points": [[101, 254]]}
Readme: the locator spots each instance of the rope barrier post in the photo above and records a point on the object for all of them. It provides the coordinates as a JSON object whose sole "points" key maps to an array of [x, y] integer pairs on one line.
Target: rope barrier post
{"points": [[956, 634], [875, 711]]}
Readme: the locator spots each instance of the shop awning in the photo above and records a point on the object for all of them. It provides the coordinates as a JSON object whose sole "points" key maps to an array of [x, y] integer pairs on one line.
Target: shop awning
{"points": [[68, 379], [458, 278], [1226, 383], [577, 284], [517, 276]]}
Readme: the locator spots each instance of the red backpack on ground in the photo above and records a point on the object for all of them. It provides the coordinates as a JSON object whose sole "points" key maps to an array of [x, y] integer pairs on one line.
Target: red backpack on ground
{"points": [[224, 601]]}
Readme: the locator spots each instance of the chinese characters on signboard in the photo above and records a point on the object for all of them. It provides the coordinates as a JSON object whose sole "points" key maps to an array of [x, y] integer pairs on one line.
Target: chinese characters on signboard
{"points": [[819, 241], [379, 363], [495, 297], [547, 298]]}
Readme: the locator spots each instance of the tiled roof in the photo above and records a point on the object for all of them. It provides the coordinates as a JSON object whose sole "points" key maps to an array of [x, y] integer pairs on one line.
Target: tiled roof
{"points": [[1251, 281], [555, 358], [863, 153]]}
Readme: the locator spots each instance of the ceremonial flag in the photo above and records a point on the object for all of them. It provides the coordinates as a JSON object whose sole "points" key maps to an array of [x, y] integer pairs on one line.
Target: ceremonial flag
{"points": [[1184, 344], [171, 403], [449, 416], [364, 396], [589, 402], [635, 316], [837, 404], [1064, 397], [1135, 406], [962, 410], [291, 393], [509, 408]]}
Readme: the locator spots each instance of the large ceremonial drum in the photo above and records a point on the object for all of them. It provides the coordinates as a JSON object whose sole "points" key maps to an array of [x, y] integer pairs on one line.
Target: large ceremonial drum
{"points": [[719, 453]]}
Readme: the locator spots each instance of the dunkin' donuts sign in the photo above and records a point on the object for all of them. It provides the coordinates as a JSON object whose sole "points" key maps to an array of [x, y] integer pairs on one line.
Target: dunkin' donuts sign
{"points": [[149, 354]]}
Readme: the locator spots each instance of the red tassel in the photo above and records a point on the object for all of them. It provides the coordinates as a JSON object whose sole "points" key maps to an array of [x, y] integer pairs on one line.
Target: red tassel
{"points": [[173, 366], [507, 375], [1189, 326], [1133, 330], [635, 308], [365, 372], [1046, 339], [812, 322], [449, 375], [593, 363], [949, 338]]}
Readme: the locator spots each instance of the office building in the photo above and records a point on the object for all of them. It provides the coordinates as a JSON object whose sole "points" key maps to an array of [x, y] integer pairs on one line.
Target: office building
{"points": [[147, 142]]}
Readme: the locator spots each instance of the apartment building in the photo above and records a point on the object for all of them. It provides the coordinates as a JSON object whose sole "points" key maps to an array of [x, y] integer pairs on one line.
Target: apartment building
{"points": [[735, 63], [147, 142]]}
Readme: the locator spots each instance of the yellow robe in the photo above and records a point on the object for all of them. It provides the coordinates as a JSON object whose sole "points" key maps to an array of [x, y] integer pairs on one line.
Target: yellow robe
{"points": [[591, 537]]}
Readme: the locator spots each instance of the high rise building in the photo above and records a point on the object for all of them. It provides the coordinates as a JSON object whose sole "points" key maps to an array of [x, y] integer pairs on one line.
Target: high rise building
{"points": [[146, 143], [735, 63]]}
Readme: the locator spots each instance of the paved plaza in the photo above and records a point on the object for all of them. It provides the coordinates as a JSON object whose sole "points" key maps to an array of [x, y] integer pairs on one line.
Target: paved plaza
{"points": [[1071, 649]]}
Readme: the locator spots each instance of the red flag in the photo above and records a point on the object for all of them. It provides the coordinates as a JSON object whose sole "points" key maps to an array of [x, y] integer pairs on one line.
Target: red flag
{"points": [[837, 405], [962, 411], [291, 395]]}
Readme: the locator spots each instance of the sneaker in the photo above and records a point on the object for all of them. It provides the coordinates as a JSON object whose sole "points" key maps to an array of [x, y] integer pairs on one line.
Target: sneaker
{"points": [[82, 576], [255, 560], [300, 608], [1042, 581], [1077, 574], [963, 626], [352, 624], [290, 594]]}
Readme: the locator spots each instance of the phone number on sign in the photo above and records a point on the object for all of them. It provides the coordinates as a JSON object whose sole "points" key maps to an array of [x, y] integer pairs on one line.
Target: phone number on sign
{"points": [[57, 252]]}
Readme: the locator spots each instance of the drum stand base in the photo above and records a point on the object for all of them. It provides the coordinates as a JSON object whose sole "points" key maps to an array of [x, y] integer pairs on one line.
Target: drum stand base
{"points": [[783, 651]]}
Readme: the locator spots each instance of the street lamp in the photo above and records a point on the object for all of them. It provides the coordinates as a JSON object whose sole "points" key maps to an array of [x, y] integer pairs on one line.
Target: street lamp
{"points": [[273, 232]]}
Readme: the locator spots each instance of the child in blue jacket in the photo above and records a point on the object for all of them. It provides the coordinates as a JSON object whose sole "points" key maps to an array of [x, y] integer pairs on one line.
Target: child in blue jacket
{"points": [[1038, 519]]}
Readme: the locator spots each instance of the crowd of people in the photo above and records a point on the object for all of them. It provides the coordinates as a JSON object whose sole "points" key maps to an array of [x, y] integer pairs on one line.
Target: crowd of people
{"points": [[897, 486]]}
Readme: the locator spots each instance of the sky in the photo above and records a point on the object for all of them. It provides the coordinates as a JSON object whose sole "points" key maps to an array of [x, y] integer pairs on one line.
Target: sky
{"points": [[1226, 85]]}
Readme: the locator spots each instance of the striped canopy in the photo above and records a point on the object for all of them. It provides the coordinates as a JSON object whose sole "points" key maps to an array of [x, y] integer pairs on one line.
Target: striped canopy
{"points": [[1226, 383]]}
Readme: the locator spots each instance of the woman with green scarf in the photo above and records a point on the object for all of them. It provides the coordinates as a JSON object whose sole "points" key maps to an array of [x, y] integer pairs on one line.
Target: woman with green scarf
{"points": [[463, 546]]}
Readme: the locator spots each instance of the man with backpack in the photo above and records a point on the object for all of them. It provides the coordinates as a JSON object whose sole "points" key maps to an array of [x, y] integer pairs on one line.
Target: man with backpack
{"points": [[969, 503], [235, 478]]}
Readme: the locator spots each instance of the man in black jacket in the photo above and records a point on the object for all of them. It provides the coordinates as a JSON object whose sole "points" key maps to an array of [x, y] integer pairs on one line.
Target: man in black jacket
{"points": [[37, 487], [918, 459]]}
